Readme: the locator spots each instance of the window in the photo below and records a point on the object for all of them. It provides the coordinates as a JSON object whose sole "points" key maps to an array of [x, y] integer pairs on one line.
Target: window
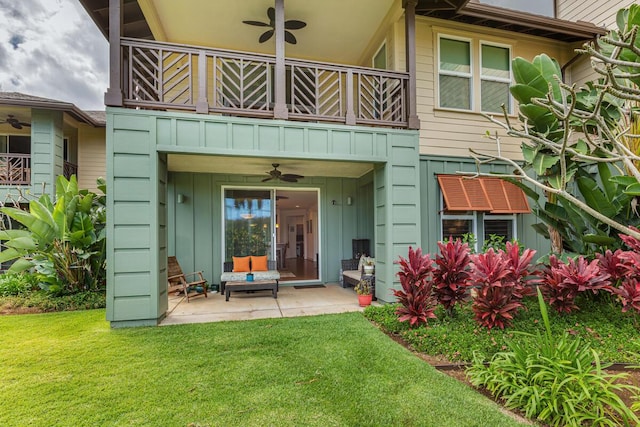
{"points": [[482, 206], [15, 144], [495, 78], [380, 58], [455, 74], [461, 82]]}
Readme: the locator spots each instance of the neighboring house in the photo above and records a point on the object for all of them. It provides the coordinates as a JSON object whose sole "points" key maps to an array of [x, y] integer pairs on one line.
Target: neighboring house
{"points": [[376, 105], [42, 138]]}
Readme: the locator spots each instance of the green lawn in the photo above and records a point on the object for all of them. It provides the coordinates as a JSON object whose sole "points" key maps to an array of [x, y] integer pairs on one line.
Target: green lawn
{"points": [[72, 369]]}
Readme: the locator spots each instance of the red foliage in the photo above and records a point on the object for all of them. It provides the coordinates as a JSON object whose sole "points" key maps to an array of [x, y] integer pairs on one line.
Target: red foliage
{"points": [[416, 297], [629, 293], [495, 304], [631, 241], [520, 270], [561, 282], [451, 275], [612, 264]]}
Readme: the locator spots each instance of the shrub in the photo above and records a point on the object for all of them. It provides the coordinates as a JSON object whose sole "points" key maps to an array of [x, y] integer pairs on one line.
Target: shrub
{"points": [[40, 301], [416, 298], [65, 241], [494, 305], [451, 273], [17, 284], [558, 382], [562, 282]]}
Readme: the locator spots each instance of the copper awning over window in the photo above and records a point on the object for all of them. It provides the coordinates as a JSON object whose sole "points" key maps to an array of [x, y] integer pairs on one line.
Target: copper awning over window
{"points": [[493, 195]]}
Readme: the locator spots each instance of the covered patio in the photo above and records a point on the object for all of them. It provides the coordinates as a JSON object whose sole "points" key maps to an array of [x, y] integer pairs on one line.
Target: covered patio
{"points": [[292, 301]]}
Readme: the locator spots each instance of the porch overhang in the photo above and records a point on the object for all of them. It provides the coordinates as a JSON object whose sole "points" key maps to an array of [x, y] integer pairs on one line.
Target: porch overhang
{"points": [[475, 13]]}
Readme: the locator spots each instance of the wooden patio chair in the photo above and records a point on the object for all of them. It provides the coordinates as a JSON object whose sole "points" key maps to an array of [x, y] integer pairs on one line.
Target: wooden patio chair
{"points": [[178, 280]]}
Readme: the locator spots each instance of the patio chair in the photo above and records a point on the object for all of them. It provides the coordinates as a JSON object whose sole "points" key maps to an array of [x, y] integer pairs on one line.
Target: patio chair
{"points": [[177, 280]]}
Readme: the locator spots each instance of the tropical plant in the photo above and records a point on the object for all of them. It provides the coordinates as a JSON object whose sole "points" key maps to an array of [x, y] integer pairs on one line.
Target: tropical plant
{"points": [[12, 284], [520, 269], [63, 242], [416, 299], [494, 304], [557, 381], [566, 131], [451, 273], [363, 287], [562, 282]]}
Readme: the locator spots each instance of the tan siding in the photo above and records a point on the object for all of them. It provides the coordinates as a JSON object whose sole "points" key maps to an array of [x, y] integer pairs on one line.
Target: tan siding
{"points": [[601, 13], [91, 157], [452, 133]]}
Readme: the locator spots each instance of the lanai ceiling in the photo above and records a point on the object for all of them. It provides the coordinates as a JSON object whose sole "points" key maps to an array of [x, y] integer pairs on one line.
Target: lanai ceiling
{"points": [[337, 31]]}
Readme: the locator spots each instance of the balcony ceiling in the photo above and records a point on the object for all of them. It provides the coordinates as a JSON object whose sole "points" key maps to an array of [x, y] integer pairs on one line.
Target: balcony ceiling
{"points": [[337, 31], [260, 166]]}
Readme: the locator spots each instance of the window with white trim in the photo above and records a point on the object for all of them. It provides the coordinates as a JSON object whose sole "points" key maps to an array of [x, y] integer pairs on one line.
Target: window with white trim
{"points": [[495, 78], [480, 86], [455, 73]]}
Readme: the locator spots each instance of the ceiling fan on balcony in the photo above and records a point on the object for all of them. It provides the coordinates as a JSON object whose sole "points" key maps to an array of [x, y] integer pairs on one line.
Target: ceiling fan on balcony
{"points": [[286, 177], [17, 124], [291, 24]]}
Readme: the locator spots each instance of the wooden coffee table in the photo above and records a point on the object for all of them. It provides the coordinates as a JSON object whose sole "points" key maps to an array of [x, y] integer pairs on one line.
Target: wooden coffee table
{"points": [[256, 285]]}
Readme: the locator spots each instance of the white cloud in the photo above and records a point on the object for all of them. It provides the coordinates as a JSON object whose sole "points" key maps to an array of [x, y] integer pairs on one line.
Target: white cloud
{"points": [[51, 48]]}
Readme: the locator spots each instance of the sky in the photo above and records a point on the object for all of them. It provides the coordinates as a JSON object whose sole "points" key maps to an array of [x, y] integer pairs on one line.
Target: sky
{"points": [[52, 49]]}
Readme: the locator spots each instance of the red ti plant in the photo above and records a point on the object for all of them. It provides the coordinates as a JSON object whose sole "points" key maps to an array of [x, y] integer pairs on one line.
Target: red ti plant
{"points": [[612, 263], [495, 304], [520, 270], [629, 293], [416, 297], [561, 283], [451, 274]]}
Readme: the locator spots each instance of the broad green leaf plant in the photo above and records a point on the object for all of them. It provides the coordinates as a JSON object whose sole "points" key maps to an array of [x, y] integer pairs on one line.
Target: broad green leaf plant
{"points": [[580, 145], [63, 242]]}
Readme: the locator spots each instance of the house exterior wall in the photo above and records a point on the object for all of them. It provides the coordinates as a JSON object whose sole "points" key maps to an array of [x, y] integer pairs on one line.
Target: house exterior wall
{"points": [[430, 200], [601, 13], [91, 156], [138, 207], [448, 132]]}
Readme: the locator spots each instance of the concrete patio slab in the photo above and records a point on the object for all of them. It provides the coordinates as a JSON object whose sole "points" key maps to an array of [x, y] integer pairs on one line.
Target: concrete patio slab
{"points": [[291, 302]]}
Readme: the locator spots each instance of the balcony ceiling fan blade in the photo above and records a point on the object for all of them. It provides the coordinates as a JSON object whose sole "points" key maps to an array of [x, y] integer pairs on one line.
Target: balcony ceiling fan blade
{"points": [[256, 23], [290, 38], [294, 24], [267, 179], [287, 179], [265, 36], [292, 176], [271, 14]]}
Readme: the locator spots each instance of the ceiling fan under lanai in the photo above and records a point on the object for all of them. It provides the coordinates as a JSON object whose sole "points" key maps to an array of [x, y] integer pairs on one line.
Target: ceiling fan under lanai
{"points": [[15, 123], [276, 174], [292, 24]]}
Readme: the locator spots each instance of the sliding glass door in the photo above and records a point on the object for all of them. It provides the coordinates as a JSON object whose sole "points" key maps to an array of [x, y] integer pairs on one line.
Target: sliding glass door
{"points": [[248, 223]]}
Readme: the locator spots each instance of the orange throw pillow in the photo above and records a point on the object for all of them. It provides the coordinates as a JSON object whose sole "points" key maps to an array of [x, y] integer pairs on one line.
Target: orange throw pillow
{"points": [[241, 264], [259, 263]]}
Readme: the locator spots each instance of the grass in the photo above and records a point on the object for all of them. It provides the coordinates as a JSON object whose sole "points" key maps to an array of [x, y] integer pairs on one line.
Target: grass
{"points": [[72, 369], [615, 335]]}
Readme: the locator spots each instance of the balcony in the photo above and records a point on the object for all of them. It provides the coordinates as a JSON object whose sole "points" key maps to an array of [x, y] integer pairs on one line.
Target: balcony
{"points": [[69, 169], [15, 169], [170, 76]]}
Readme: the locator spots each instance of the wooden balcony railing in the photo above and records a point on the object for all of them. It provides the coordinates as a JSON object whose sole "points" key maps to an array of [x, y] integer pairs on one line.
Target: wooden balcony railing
{"points": [[15, 169], [69, 169], [171, 76]]}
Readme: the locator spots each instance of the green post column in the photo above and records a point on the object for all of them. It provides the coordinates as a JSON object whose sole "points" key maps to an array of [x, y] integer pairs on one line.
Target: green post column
{"points": [[397, 210], [46, 150], [135, 177]]}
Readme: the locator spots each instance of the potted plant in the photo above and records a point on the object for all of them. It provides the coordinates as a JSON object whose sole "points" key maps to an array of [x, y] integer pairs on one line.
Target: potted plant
{"points": [[368, 266], [363, 289]]}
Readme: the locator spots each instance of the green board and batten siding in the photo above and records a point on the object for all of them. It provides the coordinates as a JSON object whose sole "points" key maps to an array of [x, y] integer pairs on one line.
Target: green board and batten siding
{"points": [[430, 196], [141, 212]]}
